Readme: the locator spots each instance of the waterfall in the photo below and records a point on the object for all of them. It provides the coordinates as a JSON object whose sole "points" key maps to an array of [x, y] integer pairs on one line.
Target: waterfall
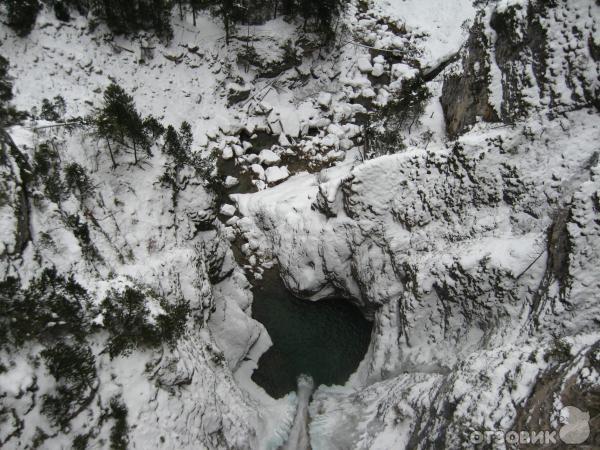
{"points": [[299, 439]]}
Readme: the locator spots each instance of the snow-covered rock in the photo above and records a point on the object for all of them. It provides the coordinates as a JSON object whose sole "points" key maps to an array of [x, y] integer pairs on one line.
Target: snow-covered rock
{"points": [[283, 140], [274, 174], [291, 124], [238, 150], [471, 256], [227, 153], [268, 157], [364, 64], [231, 181], [331, 140], [258, 171], [401, 71], [378, 70], [324, 99], [237, 93], [227, 210]]}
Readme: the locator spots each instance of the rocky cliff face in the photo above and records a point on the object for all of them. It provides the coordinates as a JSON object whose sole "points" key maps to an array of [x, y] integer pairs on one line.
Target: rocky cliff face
{"points": [[472, 242], [14, 202], [109, 245], [469, 256], [523, 58]]}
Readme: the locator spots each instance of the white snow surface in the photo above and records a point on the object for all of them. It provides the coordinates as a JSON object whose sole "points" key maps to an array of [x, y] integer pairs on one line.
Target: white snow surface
{"points": [[443, 244]]}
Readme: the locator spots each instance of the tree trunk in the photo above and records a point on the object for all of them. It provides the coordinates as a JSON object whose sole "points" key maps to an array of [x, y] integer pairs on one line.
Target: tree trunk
{"points": [[135, 161], [194, 14], [112, 158], [226, 22]]}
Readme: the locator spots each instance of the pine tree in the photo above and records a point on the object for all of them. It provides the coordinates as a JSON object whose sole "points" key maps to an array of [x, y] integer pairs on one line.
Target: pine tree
{"points": [[118, 121], [174, 147], [229, 11], [186, 137], [5, 91], [124, 17], [196, 5], [53, 111], [22, 15]]}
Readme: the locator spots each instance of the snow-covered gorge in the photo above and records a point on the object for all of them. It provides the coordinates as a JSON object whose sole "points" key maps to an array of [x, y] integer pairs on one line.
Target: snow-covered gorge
{"points": [[474, 248], [447, 251], [475, 257]]}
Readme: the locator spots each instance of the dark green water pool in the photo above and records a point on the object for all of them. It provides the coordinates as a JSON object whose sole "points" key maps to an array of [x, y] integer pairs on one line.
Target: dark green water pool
{"points": [[325, 339]]}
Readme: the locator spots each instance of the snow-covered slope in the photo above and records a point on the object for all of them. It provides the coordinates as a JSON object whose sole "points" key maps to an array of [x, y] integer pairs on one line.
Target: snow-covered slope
{"points": [[468, 254], [473, 242]]}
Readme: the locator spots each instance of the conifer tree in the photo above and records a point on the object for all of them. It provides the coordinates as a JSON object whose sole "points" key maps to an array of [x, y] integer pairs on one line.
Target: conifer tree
{"points": [[186, 137], [22, 15], [5, 89], [178, 145], [196, 5], [229, 11], [119, 122], [124, 17]]}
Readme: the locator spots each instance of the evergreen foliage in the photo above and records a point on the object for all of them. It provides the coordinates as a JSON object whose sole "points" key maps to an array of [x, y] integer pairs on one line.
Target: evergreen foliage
{"points": [[384, 130], [46, 171], [8, 114], [53, 110], [61, 11], [179, 144], [118, 433], [319, 15], [56, 312], [124, 17], [5, 83], [51, 307], [78, 181], [22, 14], [121, 126], [128, 321], [73, 366]]}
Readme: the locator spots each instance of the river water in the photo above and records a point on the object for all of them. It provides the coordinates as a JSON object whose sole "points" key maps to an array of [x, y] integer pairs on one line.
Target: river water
{"points": [[325, 339]]}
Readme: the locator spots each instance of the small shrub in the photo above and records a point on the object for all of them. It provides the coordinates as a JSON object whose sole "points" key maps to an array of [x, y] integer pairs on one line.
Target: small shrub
{"points": [[560, 351], [45, 159], [53, 111], [22, 15], [384, 131], [51, 307], [54, 188], [204, 167], [77, 180], [8, 114], [80, 442], [172, 323], [82, 233], [61, 11], [74, 369], [128, 322], [118, 433], [46, 170], [5, 83]]}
